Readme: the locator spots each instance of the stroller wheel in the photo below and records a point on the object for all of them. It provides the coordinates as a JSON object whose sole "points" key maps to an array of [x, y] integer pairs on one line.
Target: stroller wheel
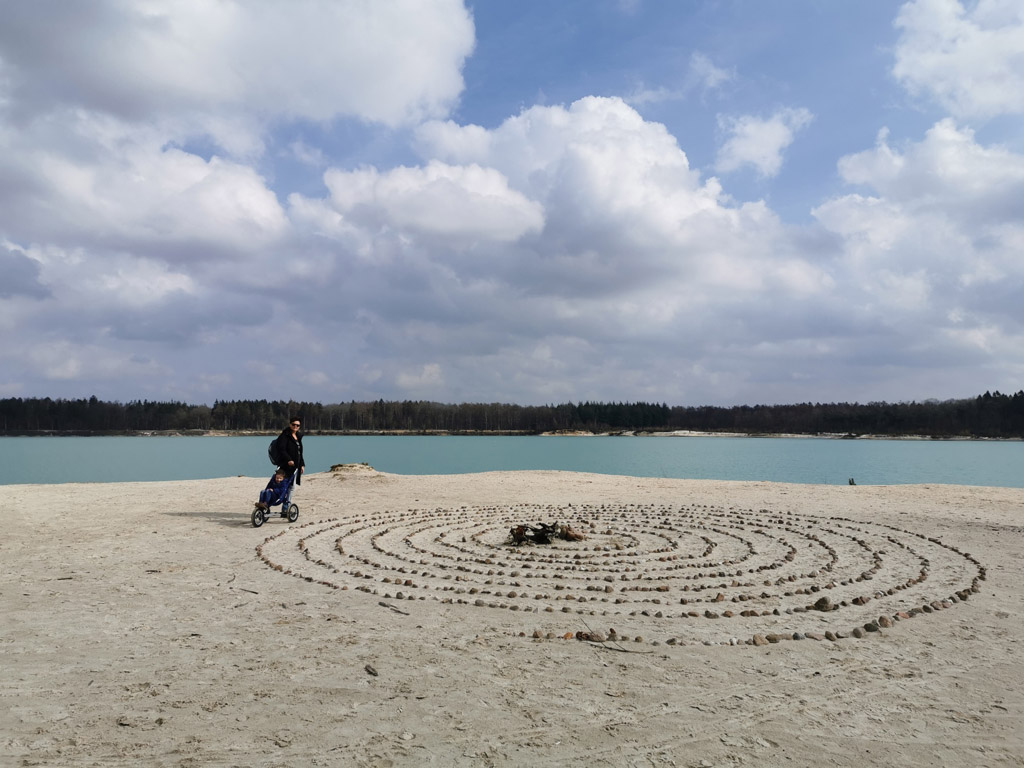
{"points": [[257, 517], [293, 513]]}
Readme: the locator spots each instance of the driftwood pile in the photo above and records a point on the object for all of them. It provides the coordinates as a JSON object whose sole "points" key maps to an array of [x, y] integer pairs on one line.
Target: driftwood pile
{"points": [[542, 533]]}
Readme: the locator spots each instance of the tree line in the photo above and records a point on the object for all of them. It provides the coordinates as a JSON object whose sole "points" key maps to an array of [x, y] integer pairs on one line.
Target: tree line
{"points": [[992, 414]]}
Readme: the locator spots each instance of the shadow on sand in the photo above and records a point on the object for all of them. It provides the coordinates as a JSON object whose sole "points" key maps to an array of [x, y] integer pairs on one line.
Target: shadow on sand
{"points": [[233, 519]]}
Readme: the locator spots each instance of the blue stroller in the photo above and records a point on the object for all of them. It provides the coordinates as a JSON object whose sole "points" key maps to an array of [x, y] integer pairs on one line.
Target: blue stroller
{"points": [[272, 496]]}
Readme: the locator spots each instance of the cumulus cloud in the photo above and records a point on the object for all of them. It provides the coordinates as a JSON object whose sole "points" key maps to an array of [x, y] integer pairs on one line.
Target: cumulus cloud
{"points": [[969, 59], [947, 172], [596, 161], [934, 239], [226, 69], [759, 142], [121, 189], [439, 199]]}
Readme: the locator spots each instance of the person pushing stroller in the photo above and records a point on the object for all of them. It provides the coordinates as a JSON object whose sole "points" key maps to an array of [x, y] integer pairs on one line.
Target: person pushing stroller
{"points": [[289, 450], [286, 454]]}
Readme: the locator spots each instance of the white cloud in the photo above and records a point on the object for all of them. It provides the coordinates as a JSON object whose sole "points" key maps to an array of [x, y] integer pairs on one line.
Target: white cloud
{"points": [[938, 237], [702, 75], [705, 74], [759, 142], [112, 183], [970, 60], [947, 172], [597, 160], [439, 199], [227, 69]]}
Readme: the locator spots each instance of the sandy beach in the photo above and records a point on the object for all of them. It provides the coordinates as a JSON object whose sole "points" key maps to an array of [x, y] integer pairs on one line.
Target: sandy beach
{"points": [[392, 625]]}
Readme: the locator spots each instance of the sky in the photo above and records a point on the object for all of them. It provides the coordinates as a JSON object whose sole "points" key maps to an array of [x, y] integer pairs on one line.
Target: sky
{"points": [[717, 202]]}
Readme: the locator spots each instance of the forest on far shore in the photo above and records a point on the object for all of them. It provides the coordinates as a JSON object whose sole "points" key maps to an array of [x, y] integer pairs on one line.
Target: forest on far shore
{"points": [[992, 415]]}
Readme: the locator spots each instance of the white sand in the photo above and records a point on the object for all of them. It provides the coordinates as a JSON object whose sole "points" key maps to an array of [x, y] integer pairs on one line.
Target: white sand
{"points": [[141, 627]]}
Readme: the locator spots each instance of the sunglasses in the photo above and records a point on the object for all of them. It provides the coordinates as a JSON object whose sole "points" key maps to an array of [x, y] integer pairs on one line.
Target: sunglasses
{"points": [[296, 423]]}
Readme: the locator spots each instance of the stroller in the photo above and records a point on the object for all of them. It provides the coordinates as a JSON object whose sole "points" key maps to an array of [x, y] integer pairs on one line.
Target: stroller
{"points": [[283, 498]]}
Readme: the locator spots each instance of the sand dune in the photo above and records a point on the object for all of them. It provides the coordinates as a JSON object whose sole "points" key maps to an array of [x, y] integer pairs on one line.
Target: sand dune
{"points": [[151, 624]]}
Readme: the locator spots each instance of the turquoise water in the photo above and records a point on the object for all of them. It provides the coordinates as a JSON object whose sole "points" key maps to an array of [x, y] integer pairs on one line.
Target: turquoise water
{"points": [[793, 460]]}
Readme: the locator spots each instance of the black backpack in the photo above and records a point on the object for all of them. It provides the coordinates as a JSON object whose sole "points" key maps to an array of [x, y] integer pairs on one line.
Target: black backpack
{"points": [[274, 453]]}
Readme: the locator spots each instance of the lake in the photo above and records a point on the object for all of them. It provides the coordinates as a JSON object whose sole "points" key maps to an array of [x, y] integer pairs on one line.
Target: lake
{"points": [[792, 460]]}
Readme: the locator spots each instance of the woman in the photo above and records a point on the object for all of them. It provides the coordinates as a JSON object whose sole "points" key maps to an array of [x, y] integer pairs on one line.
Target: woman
{"points": [[289, 448]]}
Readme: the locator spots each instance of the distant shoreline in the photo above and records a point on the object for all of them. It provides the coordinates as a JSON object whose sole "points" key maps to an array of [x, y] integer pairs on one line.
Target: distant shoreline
{"points": [[494, 433]]}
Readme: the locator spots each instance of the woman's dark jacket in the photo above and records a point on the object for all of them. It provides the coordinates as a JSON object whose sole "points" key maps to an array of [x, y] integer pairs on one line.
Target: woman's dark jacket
{"points": [[290, 450]]}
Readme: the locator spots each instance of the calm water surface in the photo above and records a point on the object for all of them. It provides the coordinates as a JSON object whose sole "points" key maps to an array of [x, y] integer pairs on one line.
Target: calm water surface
{"points": [[793, 460]]}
